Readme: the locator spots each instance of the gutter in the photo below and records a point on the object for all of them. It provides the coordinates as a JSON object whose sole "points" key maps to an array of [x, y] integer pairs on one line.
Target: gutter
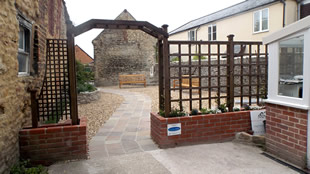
{"points": [[284, 7]]}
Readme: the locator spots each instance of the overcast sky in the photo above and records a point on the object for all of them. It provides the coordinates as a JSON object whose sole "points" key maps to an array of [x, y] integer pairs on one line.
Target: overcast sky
{"points": [[172, 12]]}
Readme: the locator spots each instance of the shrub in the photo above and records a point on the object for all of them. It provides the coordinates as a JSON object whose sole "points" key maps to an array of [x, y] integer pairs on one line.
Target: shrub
{"points": [[84, 76], [175, 59], [25, 167], [197, 58], [194, 112], [174, 113], [222, 108]]}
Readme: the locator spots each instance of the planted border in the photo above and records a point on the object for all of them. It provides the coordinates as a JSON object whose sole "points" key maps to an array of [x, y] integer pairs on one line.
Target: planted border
{"points": [[200, 128]]}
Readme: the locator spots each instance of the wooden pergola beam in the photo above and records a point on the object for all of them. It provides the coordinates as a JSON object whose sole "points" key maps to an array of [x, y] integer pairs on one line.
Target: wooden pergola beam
{"points": [[119, 24]]}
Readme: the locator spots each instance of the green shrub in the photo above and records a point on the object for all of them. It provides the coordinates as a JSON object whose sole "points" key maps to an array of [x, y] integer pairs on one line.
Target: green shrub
{"points": [[197, 58], [207, 111], [174, 113], [175, 59], [194, 112], [84, 76], [222, 108], [25, 167], [236, 109]]}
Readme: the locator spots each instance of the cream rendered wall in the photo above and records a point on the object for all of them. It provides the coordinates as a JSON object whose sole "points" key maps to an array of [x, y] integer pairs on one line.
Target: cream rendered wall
{"points": [[291, 12], [241, 25]]}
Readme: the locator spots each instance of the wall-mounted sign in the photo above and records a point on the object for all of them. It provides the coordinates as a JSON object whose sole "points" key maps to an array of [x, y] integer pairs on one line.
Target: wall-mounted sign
{"points": [[257, 121], [174, 129]]}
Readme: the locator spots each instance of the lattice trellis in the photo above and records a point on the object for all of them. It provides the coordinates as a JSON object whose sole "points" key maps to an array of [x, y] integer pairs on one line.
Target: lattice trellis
{"points": [[54, 98]]}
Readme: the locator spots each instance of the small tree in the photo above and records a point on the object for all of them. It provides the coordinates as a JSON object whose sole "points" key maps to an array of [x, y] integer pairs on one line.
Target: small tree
{"points": [[84, 76]]}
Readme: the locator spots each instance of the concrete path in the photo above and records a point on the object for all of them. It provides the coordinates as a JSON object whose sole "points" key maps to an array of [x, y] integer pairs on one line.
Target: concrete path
{"points": [[123, 145]]}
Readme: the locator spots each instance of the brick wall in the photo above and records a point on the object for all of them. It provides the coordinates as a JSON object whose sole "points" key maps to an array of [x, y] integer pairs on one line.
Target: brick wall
{"points": [[286, 133], [51, 144], [197, 129], [82, 56]]}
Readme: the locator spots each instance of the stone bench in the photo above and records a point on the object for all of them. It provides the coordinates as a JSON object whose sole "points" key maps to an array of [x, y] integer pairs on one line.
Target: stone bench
{"points": [[131, 79]]}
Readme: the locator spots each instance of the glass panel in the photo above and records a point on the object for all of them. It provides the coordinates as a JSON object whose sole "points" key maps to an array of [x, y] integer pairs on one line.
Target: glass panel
{"points": [[22, 62], [256, 21], [21, 38], [209, 33], [265, 19], [214, 32], [193, 35], [291, 67]]}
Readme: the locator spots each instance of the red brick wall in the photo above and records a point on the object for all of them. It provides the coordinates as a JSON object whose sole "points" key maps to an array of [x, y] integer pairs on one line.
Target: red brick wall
{"points": [[51, 144], [203, 128], [81, 56], [286, 133]]}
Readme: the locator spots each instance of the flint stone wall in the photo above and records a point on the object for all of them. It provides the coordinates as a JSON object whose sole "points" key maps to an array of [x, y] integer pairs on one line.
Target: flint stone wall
{"points": [[123, 52]]}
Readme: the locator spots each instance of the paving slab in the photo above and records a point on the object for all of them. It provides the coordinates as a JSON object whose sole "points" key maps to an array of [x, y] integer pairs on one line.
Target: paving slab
{"points": [[124, 146]]}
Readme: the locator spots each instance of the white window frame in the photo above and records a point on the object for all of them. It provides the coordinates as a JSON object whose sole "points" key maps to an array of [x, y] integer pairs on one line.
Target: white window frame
{"points": [[211, 26], [260, 21], [26, 25], [189, 35], [273, 79]]}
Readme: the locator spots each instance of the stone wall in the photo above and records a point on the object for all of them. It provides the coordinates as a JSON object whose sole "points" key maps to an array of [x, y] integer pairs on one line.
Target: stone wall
{"points": [[123, 52], [87, 97], [15, 111]]}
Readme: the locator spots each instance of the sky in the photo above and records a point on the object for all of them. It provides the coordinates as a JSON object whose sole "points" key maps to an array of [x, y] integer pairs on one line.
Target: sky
{"points": [[175, 13]]}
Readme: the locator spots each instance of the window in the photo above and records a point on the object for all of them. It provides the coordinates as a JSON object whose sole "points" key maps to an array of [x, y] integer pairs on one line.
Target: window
{"points": [[212, 32], [23, 46], [291, 67], [191, 35], [261, 20]]}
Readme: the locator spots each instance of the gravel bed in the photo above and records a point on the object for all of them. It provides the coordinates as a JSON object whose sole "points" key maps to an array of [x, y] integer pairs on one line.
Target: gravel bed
{"points": [[152, 91], [99, 111]]}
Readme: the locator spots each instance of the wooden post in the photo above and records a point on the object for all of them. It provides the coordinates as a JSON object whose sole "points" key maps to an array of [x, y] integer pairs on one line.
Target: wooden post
{"points": [[72, 78], [34, 108], [231, 95], [166, 72], [160, 75]]}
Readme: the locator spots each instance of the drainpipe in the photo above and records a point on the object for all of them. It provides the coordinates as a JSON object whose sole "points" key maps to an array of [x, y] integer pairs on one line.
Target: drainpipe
{"points": [[298, 9], [197, 36], [284, 7]]}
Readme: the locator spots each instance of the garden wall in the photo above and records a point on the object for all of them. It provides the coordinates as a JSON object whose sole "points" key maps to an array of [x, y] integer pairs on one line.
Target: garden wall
{"points": [[87, 97], [47, 145], [201, 128], [286, 133], [48, 20]]}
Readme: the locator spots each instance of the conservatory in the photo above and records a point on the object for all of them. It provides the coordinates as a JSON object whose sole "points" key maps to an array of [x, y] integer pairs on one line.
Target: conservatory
{"points": [[288, 100]]}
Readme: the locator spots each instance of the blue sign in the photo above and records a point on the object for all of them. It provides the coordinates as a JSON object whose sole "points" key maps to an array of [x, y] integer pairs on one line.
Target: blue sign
{"points": [[174, 129]]}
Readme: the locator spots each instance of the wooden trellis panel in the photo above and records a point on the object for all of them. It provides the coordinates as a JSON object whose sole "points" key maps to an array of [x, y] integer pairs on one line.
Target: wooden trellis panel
{"points": [[54, 99], [228, 72]]}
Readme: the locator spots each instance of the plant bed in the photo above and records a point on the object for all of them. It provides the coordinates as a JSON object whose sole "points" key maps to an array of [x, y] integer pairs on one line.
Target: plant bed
{"points": [[47, 145], [206, 128]]}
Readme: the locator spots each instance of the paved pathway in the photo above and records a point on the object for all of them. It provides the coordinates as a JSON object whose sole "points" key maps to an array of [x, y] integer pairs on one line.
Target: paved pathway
{"points": [[128, 129], [123, 146]]}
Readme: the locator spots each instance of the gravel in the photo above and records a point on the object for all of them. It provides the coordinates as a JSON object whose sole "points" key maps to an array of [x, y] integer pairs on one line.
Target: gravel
{"points": [[99, 111]]}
